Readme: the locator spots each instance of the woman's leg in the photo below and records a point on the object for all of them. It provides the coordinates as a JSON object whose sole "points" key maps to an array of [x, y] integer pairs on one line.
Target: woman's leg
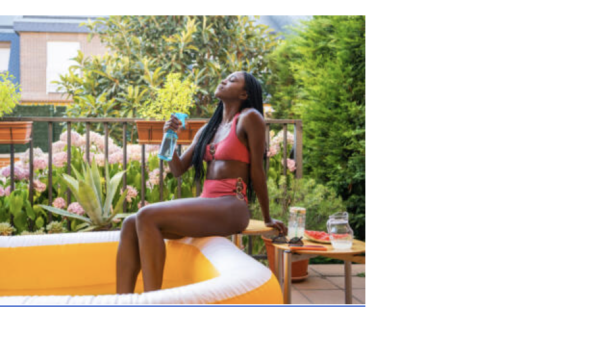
{"points": [[128, 257], [191, 217]]}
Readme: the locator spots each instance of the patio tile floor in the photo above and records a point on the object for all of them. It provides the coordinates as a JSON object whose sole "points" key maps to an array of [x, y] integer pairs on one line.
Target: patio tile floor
{"points": [[325, 285]]}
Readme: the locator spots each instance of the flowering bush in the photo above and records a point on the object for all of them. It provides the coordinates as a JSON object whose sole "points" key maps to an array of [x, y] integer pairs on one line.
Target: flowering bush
{"points": [[277, 160], [35, 219]]}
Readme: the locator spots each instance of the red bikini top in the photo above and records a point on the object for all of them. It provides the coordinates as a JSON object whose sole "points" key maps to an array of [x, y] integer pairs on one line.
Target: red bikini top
{"points": [[230, 148]]}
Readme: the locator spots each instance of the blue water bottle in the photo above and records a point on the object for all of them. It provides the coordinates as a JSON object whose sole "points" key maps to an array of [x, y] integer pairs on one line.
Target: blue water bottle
{"points": [[169, 142]]}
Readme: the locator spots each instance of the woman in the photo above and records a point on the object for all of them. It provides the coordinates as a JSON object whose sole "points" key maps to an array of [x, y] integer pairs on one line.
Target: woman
{"points": [[233, 144]]}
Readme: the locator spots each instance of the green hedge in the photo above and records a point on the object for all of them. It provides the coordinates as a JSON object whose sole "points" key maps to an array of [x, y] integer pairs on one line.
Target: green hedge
{"points": [[319, 76]]}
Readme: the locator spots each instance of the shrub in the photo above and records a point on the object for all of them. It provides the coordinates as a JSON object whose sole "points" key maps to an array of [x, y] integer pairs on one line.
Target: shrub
{"points": [[9, 94]]}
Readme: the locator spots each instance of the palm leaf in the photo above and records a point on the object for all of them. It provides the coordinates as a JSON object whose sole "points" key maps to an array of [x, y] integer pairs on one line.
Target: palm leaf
{"points": [[89, 180], [89, 202], [119, 205], [74, 186], [77, 174], [72, 183], [97, 180], [123, 215], [113, 186], [89, 228], [65, 213]]}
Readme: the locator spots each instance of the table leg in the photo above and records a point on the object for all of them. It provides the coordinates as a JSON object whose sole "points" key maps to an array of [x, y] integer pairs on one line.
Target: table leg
{"points": [[287, 277], [237, 239], [277, 266], [348, 280]]}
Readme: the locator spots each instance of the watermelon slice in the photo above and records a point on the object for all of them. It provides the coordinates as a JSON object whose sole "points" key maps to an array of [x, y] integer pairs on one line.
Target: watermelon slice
{"points": [[317, 236]]}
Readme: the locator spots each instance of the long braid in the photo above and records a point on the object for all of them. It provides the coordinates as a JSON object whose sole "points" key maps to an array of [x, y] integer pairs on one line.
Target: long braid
{"points": [[255, 100], [205, 138]]}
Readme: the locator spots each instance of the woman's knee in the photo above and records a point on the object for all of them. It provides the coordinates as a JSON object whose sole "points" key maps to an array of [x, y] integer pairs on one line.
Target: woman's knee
{"points": [[145, 214], [128, 229]]}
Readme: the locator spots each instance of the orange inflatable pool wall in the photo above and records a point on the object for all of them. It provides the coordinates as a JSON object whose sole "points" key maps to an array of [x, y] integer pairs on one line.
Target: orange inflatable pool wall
{"points": [[80, 268]]}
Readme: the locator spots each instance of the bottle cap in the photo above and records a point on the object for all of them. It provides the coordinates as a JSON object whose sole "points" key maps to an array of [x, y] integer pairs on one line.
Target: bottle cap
{"points": [[297, 210], [181, 117]]}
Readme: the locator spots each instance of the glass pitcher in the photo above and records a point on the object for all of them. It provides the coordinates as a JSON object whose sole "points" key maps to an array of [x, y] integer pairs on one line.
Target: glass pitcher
{"points": [[340, 233]]}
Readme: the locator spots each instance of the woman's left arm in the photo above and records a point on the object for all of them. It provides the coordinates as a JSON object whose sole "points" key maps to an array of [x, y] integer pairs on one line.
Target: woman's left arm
{"points": [[255, 127]]}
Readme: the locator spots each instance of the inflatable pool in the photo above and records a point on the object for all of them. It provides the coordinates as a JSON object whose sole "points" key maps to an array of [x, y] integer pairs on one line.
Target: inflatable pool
{"points": [[80, 268]]}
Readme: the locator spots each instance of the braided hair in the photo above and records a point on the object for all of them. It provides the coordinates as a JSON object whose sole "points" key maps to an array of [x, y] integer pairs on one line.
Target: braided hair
{"points": [[254, 100]]}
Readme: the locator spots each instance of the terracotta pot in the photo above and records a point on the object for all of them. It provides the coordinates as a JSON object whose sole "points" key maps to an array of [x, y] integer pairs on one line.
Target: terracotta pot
{"points": [[151, 132], [299, 268], [15, 132]]}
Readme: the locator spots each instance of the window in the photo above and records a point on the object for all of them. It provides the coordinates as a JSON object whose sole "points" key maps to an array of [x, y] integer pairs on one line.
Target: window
{"points": [[4, 55], [59, 61]]}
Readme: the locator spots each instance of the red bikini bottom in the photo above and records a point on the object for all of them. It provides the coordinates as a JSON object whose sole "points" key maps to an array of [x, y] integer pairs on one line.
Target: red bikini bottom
{"points": [[214, 188]]}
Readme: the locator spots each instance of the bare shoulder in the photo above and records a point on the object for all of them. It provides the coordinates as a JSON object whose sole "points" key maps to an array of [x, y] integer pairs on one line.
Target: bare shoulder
{"points": [[252, 117]]}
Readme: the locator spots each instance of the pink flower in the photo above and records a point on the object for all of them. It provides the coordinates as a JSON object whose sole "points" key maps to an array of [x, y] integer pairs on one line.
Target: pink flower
{"points": [[98, 157], [131, 193], [7, 191], [134, 153], [278, 139], [140, 205], [291, 165], [116, 157], [37, 153], [39, 186], [76, 139], [273, 150], [114, 148], [59, 203], [152, 148], [154, 178], [1, 191], [40, 163], [58, 146], [20, 173], [96, 138], [76, 208], [59, 159]]}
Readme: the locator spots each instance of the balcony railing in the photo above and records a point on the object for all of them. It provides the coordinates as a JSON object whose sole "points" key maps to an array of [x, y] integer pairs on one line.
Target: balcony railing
{"points": [[129, 124]]}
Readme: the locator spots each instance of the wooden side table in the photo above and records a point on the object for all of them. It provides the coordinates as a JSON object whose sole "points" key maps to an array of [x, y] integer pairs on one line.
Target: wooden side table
{"points": [[284, 257], [255, 227]]}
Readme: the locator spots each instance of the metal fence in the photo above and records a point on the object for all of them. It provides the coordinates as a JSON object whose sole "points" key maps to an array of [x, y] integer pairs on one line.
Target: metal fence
{"points": [[129, 124]]}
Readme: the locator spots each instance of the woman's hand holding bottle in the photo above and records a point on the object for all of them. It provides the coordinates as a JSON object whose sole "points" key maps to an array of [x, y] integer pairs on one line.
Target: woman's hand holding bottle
{"points": [[173, 123]]}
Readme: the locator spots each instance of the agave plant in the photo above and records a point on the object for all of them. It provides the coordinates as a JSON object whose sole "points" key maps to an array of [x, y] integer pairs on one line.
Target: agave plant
{"points": [[88, 191]]}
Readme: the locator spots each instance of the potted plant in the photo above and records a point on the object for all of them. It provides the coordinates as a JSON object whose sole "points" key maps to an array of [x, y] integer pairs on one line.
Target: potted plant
{"points": [[175, 96], [87, 188], [299, 268], [15, 132]]}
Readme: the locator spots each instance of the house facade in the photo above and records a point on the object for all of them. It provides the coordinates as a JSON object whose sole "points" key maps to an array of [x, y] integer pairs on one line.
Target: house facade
{"points": [[47, 45]]}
